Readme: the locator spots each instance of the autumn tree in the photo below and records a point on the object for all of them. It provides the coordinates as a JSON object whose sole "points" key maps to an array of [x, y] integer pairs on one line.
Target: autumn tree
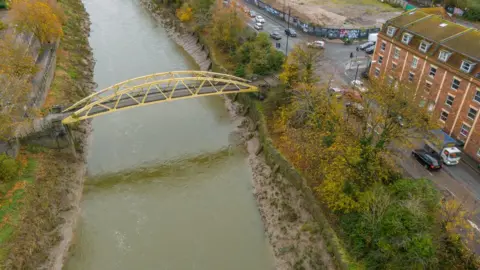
{"points": [[185, 13], [227, 27], [16, 61], [41, 17], [301, 65]]}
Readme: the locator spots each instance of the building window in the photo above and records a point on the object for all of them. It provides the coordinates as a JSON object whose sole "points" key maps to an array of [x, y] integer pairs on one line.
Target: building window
{"points": [[424, 46], [406, 38], [377, 72], [455, 84], [465, 130], [444, 55], [414, 62], [467, 66], [394, 66], [396, 54], [443, 116], [428, 86], [433, 71], [380, 59], [391, 31], [477, 96], [411, 76], [449, 100], [472, 113], [383, 46], [431, 106]]}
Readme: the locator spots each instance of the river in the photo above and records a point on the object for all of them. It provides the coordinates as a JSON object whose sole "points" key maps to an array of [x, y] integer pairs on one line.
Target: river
{"points": [[165, 189]]}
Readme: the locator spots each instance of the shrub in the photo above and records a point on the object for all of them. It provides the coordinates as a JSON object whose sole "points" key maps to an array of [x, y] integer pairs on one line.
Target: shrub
{"points": [[9, 169]]}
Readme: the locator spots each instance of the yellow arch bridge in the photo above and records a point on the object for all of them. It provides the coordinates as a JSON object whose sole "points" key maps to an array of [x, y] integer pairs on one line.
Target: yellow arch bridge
{"points": [[153, 89]]}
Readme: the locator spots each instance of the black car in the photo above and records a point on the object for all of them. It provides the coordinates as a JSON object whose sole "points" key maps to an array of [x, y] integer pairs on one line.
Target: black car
{"points": [[275, 35], [290, 32], [431, 161]]}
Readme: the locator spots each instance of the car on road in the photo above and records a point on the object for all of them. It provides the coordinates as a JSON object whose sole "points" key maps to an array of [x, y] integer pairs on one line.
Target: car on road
{"points": [[366, 45], [357, 84], [275, 35], [316, 44], [259, 19], [290, 32], [370, 50], [258, 26], [252, 14], [431, 161]]}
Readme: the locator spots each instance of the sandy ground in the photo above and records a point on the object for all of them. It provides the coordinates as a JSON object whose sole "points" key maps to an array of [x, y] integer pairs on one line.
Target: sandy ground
{"points": [[339, 13]]}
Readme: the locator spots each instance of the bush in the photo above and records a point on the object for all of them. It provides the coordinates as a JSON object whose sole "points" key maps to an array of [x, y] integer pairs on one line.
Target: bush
{"points": [[9, 169], [240, 71], [3, 25], [472, 14]]}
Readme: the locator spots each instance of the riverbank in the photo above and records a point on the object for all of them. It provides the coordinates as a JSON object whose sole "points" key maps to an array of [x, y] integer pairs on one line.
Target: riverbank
{"points": [[50, 206], [293, 234]]}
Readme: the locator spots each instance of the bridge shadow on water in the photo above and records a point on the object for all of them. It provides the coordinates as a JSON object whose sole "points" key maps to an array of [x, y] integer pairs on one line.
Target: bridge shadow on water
{"points": [[176, 169]]}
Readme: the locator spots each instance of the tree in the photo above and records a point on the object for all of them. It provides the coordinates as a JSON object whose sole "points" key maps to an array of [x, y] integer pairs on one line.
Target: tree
{"points": [[227, 27], [40, 17], [300, 65], [15, 59], [185, 13]]}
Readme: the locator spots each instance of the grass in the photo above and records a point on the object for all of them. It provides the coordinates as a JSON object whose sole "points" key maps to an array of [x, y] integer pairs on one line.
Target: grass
{"points": [[11, 206]]}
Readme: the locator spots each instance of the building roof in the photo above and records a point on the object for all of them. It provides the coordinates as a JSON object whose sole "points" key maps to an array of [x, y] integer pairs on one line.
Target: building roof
{"points": [[433, 24]]}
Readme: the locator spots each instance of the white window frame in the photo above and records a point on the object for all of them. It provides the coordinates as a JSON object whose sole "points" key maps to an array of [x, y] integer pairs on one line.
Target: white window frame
{"points": [[377, 72], [444, 55], [453, 83], [383, 46], [406, 38], [468, 131], [380, 59], [477, 93], [414, 61], [430, 71], [396, 53], [391, 31], [468, 113], [469, 63], [424, 44], [441, 115], [411, 75], [430, 84], [446, 100]]}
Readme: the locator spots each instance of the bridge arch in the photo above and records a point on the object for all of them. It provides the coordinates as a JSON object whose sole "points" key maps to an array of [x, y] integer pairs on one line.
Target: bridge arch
{"points": [[153, 89]]}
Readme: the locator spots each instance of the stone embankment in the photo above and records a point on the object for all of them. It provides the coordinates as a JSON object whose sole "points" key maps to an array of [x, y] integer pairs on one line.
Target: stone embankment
{"points": [[294, 237]]}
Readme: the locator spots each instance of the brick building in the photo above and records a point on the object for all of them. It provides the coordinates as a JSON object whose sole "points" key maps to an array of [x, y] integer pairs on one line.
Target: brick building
{"points": [[441, 60]]}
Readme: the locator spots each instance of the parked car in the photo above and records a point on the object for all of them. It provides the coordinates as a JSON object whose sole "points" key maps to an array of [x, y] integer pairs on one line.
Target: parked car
{"points": [[370, 50], [258, 26], [259, 19], [316, 44], [252, 14], [366, 45], [275, 35], [290, 32], [431, 161], [357, 84]]}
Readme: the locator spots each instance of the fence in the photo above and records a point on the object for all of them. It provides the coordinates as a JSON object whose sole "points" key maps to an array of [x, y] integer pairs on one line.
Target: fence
{"points": [[325, 32]]}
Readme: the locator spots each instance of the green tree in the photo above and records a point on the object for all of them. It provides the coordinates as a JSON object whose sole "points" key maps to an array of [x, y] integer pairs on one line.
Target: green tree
{"points": [[227, 27], [301, 65]]}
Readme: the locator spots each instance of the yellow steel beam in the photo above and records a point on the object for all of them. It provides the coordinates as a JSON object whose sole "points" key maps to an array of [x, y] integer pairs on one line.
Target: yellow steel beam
{"points": [[139, 89]]}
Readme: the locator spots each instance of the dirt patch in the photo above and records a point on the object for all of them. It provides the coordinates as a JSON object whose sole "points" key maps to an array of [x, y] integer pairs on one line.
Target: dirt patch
{"points": [[339, 13]]}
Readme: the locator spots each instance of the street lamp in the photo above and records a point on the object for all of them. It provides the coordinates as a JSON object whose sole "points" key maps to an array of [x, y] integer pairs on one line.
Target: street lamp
{"points": [[288, 27]]}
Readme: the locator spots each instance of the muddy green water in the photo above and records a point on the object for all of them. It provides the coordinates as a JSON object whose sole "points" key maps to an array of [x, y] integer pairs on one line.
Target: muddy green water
{"points": [[165, 189]]}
